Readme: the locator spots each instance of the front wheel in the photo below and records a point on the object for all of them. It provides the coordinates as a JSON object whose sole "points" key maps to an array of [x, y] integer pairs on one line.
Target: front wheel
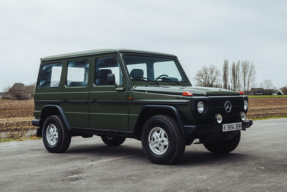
{"points": [[225, 147], [56, 137], [113, 141], [162, 140]]}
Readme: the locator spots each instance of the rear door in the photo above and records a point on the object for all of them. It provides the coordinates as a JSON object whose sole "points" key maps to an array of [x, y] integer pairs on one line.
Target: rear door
{"points": [[108, 103], [75, 93]]}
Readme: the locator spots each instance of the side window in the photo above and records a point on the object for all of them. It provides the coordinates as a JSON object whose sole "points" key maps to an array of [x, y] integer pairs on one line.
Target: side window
{"points": [[78, 73], [51, 75], [105, 66]]}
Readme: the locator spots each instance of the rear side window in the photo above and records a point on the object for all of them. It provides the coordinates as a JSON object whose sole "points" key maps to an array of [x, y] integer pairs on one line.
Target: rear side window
{"points": [[51, 75], [78, 73]]}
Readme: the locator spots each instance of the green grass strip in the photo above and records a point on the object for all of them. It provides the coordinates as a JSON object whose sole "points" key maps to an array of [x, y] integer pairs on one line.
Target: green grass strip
{"points": [[266, 96]]}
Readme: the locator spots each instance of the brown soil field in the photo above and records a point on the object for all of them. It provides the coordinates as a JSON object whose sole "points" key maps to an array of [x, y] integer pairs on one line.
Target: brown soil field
{"points": [[16, 116], [267, 107]]}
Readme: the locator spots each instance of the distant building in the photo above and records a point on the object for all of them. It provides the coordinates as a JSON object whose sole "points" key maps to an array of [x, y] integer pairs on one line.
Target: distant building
{"points": [[4, 95], [261, 91], [18, 91]]}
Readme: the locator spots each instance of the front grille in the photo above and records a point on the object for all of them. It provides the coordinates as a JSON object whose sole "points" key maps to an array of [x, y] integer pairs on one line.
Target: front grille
{"points": [[217, 106]]}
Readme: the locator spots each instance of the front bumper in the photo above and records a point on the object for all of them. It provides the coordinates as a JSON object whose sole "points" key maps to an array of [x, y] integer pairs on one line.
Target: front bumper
{"points": [[197, 130]]}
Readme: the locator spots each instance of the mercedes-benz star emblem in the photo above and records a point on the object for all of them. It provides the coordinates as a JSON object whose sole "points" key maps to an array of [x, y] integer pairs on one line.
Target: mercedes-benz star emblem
{"points": [[228, 106]]}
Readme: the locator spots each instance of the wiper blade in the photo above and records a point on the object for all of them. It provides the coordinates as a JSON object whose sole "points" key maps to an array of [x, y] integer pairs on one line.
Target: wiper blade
{"points": [[169, 80], [147, 79]]}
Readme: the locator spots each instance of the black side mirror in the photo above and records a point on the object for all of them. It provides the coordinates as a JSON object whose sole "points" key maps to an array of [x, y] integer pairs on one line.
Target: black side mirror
{"points": [[111, 79]]}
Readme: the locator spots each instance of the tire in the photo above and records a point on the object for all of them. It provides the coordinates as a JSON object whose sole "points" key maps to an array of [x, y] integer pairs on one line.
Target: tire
{"points": [[162, 140], [113, 141], [225, 147], [60, 136]]}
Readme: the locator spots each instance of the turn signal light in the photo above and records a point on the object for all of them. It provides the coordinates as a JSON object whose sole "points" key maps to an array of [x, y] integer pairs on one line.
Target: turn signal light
{"points": [[188, 93], [241, 93]]}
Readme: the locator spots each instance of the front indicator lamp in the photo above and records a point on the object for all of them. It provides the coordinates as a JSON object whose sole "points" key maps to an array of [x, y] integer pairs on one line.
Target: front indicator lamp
{"points": [[200, 107]]}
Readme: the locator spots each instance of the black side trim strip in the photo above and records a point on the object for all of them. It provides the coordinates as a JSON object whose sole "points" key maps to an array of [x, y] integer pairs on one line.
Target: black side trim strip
{"points": [[48, 101], [159, 102], [111, 101], [78, 101], [101, 132]]}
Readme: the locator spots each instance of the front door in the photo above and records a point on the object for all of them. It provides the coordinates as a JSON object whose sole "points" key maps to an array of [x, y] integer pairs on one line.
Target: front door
{"points": [[108, 103]]}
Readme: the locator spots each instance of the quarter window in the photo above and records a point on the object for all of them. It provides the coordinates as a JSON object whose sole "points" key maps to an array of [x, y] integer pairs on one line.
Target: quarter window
{"points": [[78, 73], [51, 75]]}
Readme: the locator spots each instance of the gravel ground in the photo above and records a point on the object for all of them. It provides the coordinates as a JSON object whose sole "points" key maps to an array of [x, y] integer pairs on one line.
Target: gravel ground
{"points": [[258, 164]]}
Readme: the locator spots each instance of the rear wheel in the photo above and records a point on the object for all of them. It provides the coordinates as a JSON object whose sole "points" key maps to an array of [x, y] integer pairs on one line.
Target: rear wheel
{"points": [[113, 141], [162, 140], [56, 137], [225, 147]]}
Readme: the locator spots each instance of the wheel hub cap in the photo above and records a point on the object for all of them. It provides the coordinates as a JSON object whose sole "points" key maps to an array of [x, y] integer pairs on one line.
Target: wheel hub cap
{"points": [[52, 134], [158, 140]]}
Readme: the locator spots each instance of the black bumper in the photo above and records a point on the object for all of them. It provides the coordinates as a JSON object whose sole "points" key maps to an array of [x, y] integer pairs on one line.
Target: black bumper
{"points": [[197, 130], [36, 122]]}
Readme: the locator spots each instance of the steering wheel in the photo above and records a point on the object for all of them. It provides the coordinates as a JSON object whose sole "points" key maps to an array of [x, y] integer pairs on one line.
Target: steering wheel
{"points": [[163, 75]]}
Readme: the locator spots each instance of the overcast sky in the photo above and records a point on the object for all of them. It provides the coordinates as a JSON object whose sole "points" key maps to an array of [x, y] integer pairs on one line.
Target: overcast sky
{"points": [[199, 32]]}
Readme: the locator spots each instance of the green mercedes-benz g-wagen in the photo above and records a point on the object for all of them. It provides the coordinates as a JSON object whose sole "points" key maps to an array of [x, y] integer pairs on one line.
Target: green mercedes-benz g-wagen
{"points": [[119, 93]]}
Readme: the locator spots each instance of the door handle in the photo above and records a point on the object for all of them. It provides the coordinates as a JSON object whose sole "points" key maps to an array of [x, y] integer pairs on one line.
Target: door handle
{"points": [[94, 101]]}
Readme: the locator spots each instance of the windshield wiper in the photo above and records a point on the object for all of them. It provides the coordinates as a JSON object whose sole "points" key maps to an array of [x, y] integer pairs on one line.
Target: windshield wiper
{"points": [[169, 80], [146, 79]]}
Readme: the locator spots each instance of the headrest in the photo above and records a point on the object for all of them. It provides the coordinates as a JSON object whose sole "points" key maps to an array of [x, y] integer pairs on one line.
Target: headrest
{"points": [[103, 73], [136, 73]]}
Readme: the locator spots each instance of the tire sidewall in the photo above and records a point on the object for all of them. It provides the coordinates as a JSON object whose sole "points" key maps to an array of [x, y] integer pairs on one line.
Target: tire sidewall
{"points": [[158, 122], [55, 121]]}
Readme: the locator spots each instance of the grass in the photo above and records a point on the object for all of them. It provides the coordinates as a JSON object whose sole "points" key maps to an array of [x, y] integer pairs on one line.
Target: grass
{"points": [[20, 139], [266, 96]]}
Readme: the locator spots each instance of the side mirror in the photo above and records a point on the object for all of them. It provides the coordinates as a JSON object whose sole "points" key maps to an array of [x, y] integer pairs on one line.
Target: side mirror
{"points": [[111, 79]]}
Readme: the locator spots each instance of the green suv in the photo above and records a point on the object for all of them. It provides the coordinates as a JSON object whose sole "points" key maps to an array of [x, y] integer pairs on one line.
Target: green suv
{"points": [[119, 94]]}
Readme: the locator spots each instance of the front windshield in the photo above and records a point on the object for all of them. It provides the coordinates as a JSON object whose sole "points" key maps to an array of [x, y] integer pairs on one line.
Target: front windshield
{"points": [[154, 68]]}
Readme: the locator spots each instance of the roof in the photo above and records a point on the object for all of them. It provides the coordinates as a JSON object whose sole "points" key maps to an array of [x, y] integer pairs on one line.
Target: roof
{"points": [[97, 52], [18, 87]]}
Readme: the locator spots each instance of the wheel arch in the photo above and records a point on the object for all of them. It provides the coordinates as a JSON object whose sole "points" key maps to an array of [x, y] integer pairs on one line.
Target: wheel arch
{"points": [[49, 110], [149, 111]]}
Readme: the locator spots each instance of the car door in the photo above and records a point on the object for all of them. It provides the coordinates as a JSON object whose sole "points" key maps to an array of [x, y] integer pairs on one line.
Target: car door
{"points": [[108, 103], [75, 93]]}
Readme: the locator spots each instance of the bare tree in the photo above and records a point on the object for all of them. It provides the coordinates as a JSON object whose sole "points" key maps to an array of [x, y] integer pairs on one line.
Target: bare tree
{"points": [[30, 89], [235, 76], [284, 90], [225, 74], [267, 84], [208, 76], [238, 84], [245, 69], [251, 76]]}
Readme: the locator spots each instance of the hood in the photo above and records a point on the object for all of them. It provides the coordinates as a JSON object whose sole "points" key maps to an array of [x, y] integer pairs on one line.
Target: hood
{"points": [[178, 90]]}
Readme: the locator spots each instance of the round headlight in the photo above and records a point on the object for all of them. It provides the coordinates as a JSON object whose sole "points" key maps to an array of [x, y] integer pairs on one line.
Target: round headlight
{"points": [[243, 116], [218, 118], [245, 104], [200, 107]]}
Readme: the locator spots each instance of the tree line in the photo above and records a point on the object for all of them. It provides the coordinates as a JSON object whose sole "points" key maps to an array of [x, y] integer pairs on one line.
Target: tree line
{"points": [[240, 76]]}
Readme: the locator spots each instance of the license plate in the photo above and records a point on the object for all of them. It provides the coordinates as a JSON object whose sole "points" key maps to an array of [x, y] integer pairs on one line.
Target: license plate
{"points": [[232, 127]]}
